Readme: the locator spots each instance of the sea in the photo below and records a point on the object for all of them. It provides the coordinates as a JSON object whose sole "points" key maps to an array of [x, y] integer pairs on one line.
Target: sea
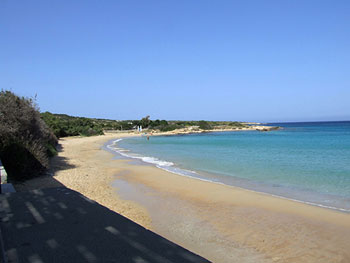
{"points": [[307, 162]]}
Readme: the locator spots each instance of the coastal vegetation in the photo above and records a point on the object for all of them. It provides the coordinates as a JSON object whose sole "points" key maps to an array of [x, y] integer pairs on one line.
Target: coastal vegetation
{"points": [[26, 142], [64, 125], [28, 138], [164, 126], [204, 125]]}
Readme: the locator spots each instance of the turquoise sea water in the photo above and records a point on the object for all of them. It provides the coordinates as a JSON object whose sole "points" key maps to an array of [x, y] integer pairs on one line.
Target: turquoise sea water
{"points": [[308, 162]]}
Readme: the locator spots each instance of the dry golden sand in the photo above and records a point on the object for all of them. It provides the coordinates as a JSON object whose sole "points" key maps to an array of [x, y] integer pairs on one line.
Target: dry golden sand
{"points": [[222, 223], [83, 166]]}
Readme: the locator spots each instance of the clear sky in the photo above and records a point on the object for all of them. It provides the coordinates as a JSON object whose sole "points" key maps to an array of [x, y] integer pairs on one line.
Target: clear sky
{"points": [[283, 60]]}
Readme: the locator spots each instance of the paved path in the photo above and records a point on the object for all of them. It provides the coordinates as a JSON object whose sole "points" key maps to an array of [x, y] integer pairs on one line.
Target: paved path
{"points": [[61, 225]]}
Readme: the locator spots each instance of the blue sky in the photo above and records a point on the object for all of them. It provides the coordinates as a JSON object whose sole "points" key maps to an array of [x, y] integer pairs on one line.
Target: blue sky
{"points": [[215, 60]]}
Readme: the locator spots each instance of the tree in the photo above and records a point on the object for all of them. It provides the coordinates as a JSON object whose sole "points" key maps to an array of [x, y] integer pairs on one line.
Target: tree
{"points": [[145, 121], [156, 123], [164, 123]]}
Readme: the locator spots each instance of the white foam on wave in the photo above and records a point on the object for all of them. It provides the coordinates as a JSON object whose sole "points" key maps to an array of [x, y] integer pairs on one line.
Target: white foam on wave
{"points": [[112, 146], [188, 173], [156, 161], [169, 167], [147, 159]]}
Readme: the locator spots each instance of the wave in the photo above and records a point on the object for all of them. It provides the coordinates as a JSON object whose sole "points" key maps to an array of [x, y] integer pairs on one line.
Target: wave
{"points": [[170, 167], [147, 159]]}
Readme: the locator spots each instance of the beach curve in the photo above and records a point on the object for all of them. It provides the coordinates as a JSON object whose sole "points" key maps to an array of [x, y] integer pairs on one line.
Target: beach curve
{"points": [[238, 224]]}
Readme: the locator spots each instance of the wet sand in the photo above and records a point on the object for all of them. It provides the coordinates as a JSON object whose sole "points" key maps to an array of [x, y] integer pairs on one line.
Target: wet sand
{"points": [[221, 223], [229, 224]]}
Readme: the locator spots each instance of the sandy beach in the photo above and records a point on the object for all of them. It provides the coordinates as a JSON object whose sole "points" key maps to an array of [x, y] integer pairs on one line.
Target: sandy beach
{"points": [[221, 223], [83, 166]]}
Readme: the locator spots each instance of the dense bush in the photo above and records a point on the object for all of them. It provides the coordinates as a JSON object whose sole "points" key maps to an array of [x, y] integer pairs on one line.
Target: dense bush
{"points": [[64, 125], [237, 124], [157, 124], [118, 125], [170, 127], [26, 143], [164, 125], [204, 125]]}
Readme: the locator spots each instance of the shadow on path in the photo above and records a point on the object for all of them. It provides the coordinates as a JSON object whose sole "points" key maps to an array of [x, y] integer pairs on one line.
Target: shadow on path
{"points": [[46, 180], [61, 225]]}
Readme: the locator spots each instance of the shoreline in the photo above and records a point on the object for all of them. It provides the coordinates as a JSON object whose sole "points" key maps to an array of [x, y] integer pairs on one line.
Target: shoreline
{"points": [[203, 217], [196, 175], [192, 130], [82, 165], [186, 131], [274, 209], [268, 221], [338, 209]]}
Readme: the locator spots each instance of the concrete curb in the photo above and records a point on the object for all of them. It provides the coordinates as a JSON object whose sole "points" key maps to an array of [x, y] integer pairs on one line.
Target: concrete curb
{"points": [[3, 178], [3, 258]]}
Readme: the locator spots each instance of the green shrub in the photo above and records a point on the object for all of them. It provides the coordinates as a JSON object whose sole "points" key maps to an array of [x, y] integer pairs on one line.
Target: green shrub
{"points": [[51, 151], [171, 127], [237, 124], [204, 125], [25, 140], [64, 125]]}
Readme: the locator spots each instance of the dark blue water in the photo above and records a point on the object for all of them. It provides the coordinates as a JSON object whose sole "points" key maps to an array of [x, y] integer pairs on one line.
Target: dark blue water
{"points": [[309, 162]]}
